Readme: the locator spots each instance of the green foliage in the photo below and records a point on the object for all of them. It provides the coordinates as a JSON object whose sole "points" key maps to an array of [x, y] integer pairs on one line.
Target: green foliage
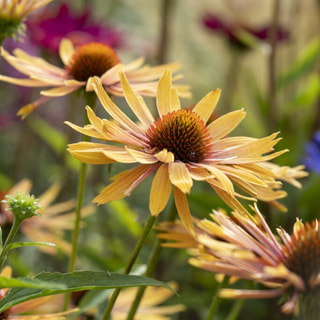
{"points": [[72, 282]]}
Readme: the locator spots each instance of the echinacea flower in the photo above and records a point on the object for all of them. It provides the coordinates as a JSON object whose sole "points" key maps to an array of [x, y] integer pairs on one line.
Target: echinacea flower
{"points": [[54, 219], [13, 12], [233, 31], [54, 24], [80, 64], [312, 158], [244, 247], [179, 147], [150, 307], [33, 309]]}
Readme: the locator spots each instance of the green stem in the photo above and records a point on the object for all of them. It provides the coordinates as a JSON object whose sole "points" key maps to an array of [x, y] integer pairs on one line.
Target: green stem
{"points": [[216, 299], [13, 231], [146, 230], [151, 266], [235, 310], [90, 99]]}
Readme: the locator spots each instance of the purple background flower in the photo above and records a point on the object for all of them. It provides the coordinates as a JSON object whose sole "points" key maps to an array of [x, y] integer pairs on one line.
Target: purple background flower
{"points": [[312, 159]]}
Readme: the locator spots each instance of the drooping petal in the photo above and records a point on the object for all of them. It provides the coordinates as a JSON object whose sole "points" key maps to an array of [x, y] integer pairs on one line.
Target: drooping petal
{"points": [[183, 209], [142, 157], [124, 183], [180, 176], [165, 156], [59, 91], [207, 104], [160, 190]]}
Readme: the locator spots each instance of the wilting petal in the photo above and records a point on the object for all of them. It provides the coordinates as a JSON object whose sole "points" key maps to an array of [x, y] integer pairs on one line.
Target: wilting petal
{"points": [[142, 157], [207, 104], [180, 176], [160, 190]]}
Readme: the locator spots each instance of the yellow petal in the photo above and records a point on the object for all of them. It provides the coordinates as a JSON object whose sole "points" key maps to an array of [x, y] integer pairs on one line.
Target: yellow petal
{"points": [[139, 109], [163, 94], [111, 108], [222, 126], [66, 51], [124, 184], [59, 91], [165, 156], [160, 190], [23, 82], [183, 210], [180, 176], [207, 104], [141, 156]]}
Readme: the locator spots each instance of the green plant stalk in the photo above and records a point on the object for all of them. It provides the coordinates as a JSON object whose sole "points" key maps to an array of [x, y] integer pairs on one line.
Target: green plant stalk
{"points": [[151, 266], [90, 99], [216, 299], [146, 230], [235, 310], [12, 233]]}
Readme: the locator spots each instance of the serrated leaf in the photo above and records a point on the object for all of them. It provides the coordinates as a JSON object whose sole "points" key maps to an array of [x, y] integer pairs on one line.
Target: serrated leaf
{"points": [[76, 281]]}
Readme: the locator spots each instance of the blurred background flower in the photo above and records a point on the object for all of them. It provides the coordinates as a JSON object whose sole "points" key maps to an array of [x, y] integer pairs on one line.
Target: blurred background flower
{"points": [[312, 158]]}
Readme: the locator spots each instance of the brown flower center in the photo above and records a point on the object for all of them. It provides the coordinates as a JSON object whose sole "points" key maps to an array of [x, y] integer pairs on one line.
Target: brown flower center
{"points": [[303, 252], [183, 133], [92, 59]]}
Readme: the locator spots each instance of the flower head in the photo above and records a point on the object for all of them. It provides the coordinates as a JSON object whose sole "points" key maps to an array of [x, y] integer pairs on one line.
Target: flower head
{"points": [[12, 14], [312, 158], [243, 246], [237, 33], [82, 63], [49, 28], [53, 221], [179, 147]]}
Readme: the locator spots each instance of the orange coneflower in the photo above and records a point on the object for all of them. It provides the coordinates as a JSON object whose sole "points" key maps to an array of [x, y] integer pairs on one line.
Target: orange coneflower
{"points": [[179, 147], [80, 64], [244, 247]]}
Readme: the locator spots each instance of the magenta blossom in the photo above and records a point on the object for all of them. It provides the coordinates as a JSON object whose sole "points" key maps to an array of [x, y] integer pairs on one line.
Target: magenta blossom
{"points": [[232, 30], [49, 28]]}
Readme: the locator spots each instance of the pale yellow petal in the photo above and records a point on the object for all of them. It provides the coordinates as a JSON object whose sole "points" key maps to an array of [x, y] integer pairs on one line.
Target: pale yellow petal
{"points": [[27, 109], [222, 126], [141, 156], [66, 51], [180, 176], [59, 91], [175, 101], [139, 109], [160, 190], [207, 104], [164, 94], [183, 210], [111, 108], [121, 156], [124, 183], [165, 156], [88, 131], [23, 82]]}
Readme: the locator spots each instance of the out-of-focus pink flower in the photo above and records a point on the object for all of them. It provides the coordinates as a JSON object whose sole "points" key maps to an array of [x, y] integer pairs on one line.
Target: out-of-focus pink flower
{"points": [[49, 28], [235, 32]]}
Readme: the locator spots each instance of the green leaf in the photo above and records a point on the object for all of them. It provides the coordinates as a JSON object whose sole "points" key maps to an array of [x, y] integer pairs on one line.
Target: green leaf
{"points": [[305, 62], [75, 281], [307, 96], [28, 283], [53, 137]]}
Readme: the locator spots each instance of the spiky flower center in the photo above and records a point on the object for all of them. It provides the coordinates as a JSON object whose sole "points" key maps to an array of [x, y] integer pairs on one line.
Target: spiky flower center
{"points": [[303, 252], [92, 59], [183, 133]]}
